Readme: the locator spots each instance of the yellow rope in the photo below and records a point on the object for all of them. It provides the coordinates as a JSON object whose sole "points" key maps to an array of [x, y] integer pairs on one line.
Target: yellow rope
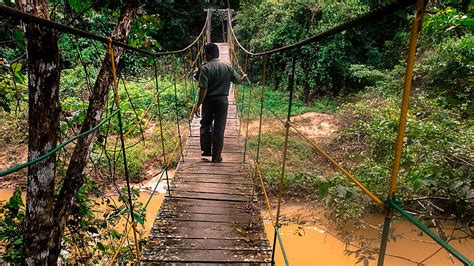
{"points": [[143, 117], [122, 241], [343, 170], [114, 73], [267, 199]]}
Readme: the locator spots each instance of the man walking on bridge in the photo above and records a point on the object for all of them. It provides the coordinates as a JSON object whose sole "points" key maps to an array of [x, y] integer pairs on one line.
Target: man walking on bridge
{"points": [[214, 84]]}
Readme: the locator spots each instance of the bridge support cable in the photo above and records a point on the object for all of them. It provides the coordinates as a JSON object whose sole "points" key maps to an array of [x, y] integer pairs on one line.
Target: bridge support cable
{"points": [[373, 15], [160, 119], [174, 69], [124, 153], [281, 185], [248, 110]]}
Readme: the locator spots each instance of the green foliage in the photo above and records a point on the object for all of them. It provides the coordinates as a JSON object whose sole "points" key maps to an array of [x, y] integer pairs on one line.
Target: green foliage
{"points": [[438, 147], [135, 162], [12, 85], [326, 105], [322, 68], [12, 215], [447, 71], [274, 102], [91, 234]]}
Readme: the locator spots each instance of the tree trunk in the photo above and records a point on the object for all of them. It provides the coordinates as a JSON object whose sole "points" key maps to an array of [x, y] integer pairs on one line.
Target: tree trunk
{"points": [[74, 175], [43, 132]]}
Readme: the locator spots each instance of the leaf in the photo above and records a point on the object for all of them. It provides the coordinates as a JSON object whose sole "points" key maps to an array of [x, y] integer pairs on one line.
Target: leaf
{"points": [[16, 67], [100, 246], [323, 189], [341, 190], [92, 230], [468, 22], [18, 241], [138, 218], [115, 234]]}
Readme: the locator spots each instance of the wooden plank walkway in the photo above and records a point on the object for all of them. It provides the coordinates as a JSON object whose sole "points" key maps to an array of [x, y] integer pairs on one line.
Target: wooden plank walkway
{"points": [[211, 217]]}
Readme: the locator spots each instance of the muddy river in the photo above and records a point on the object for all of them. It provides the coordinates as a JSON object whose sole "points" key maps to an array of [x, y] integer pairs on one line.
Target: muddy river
{"points": [[310, 239]]}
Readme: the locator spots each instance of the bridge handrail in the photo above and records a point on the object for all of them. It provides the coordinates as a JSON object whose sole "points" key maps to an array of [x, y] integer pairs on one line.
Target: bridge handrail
{"points": [[27, 17]]}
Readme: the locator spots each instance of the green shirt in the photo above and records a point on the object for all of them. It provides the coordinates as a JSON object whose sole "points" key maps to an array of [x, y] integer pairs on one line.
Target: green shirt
{"points": [[216, 76]]}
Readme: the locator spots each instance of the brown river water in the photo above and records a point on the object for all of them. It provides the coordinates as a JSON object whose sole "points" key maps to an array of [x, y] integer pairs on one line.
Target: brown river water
{"points": [[310, 239]]}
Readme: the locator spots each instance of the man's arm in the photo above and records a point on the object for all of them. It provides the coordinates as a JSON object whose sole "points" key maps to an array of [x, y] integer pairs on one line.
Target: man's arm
{"points": [[236, 78], [203, 80], [202, 95]]}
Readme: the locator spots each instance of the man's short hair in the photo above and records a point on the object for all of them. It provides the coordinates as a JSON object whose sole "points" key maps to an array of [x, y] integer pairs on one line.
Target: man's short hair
{"points": [[212, 50]]}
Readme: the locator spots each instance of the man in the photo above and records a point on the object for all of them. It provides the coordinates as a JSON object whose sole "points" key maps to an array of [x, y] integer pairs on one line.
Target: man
{"points": [[214, 84]]}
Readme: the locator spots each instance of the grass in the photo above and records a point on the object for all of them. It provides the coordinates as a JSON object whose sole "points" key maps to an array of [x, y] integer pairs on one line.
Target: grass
{"points": [[276, 103]]}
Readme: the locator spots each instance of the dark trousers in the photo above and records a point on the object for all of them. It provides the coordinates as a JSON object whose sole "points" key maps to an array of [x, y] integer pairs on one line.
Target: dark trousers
{"points": [[214, 116]]}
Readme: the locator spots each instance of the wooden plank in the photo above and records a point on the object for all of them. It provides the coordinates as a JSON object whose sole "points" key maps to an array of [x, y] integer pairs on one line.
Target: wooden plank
{"points": [[212, 217], [217, 197], [202, 192], [211, 177], [229, 158], [208, 256], [202, 175], [220, 186], [210, 244], [215, 179], [209, 170], [183, 229], [206, 210], [204, 163], [221, 206], [212, 190]]}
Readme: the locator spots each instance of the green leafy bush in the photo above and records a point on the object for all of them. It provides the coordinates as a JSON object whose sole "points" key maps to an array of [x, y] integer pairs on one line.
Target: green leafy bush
{"points": [[12, 215]]}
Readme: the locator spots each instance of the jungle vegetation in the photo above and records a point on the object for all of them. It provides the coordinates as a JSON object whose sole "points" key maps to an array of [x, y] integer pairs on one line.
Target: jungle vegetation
{"points": [[355, 77]]}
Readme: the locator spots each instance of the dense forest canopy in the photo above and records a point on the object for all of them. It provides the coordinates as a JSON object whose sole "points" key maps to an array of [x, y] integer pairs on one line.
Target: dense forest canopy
{"points": [[355, 78]]}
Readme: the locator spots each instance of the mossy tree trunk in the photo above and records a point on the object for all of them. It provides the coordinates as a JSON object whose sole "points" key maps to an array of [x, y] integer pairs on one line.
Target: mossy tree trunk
{"points": [[46, 215], [43, 132]]}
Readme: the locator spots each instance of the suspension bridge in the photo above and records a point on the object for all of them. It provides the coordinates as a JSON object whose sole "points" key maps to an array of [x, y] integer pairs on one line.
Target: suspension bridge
{"points": [[211, 213]]}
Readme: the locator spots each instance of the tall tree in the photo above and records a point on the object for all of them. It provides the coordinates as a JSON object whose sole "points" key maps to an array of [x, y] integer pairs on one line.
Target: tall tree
{"points": [[46, 216], [43, 132], [74, 175]]}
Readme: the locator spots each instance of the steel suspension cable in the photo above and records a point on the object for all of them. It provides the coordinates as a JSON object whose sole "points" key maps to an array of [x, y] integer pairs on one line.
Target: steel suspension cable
{"points": [[285, 150], [176, 105], [160, 117], [248, 112], [122, 141]]}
